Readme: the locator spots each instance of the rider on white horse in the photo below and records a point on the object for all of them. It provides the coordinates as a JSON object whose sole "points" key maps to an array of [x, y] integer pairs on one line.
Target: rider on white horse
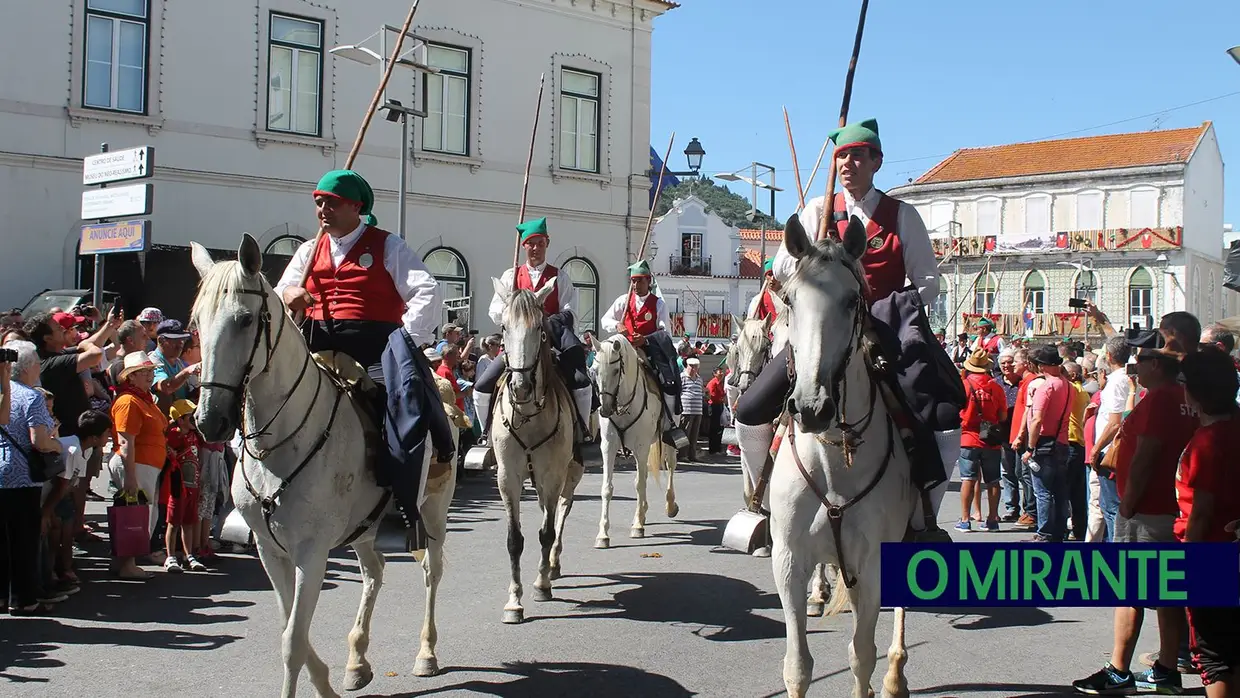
{"points": [[363, 285], [643, 317], [898, 251], [762, 306], [560, 309]]}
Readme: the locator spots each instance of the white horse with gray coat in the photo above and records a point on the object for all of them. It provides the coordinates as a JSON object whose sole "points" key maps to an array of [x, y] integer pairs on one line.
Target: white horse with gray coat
{"points": [[302, 482]]}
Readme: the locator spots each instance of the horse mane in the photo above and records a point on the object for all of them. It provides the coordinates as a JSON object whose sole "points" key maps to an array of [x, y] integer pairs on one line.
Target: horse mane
{"points": [[525, 310], [822, 254], [223, 278]]}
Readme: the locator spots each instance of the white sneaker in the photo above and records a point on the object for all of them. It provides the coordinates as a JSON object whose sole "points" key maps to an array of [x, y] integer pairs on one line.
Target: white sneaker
{"points": [[171, 564], [194, 564]]}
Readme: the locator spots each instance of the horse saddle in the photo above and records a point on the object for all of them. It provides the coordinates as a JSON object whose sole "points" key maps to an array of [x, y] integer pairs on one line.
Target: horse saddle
{"points": [[363, 392]]}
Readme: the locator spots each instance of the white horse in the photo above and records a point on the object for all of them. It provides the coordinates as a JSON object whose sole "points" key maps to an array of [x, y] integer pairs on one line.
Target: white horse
{"points": [[302, 482], [841, 485], [532, 434], [630, 416]]}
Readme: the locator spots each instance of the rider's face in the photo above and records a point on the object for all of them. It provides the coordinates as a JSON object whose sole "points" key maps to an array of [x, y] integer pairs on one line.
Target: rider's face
{"points": [[336, 215], [641, 285], [856, 168], [535, 250]]}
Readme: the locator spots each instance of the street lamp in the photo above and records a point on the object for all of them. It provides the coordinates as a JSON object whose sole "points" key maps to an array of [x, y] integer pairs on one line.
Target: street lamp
{"points": [[1234, 52], [694, 152], [359, 53], [756, 184]]}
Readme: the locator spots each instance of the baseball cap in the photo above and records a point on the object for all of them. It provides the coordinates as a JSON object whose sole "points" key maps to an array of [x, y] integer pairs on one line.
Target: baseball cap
{"points": [[150, 315], [171, 329], [68, 320]]}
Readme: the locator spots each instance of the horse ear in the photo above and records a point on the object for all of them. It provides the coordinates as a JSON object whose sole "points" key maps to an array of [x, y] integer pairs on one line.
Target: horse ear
{"points": [[795, 239], [542, 293], [854, 238], [202, 258], [249, 255], [780, 305], [500, 289]]}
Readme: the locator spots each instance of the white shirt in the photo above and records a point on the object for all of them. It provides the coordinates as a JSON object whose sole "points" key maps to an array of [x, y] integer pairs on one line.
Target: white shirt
{"points": [[563, 287], [1114, 399], [613, 319], [75, 465], [414, 282], [920, 265]]}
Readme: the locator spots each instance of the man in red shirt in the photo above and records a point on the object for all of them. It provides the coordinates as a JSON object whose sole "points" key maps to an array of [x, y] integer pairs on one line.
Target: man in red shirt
{"points": [[1151, 440], [716, 395], [444, 365], [1208, 489]]}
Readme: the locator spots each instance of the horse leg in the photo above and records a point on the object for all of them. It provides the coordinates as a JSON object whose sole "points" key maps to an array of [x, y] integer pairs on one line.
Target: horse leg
{"points": [[549, 498], [642, 458], [311, 566], [609, 467], [576, 471], [435, 517], [895, 685], [819, 591], [357, 672], [280, 572], [511, 486], [791, 578], [672, 507], [862, 652]]}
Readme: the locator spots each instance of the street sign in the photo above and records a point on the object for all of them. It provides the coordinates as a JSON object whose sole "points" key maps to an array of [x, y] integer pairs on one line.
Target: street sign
{"points": [[117, 202], [119, 236], [118, 166]]}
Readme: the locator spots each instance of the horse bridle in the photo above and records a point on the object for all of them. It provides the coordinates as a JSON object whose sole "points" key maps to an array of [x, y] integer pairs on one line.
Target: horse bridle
{"points": [[532, 371], [637, 385]]}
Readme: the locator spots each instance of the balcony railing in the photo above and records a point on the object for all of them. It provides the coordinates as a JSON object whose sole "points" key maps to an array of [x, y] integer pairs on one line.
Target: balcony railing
{"points": [[1037, 325], [702, 325], [685, 265], [1114, 239]]}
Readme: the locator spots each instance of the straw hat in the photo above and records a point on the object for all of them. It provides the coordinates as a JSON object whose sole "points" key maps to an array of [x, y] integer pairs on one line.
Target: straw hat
{"points": [[180, 408], [137, 361], [978, 362]]}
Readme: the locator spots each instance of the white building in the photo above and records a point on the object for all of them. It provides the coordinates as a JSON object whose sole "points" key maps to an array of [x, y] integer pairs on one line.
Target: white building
{"points": [[246, 108], [1132, 221], [704, 280]]}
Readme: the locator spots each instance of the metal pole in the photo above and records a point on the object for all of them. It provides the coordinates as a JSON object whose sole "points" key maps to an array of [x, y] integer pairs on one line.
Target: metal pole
{"points": [[97, 282], [753, 180], [404, 169]]}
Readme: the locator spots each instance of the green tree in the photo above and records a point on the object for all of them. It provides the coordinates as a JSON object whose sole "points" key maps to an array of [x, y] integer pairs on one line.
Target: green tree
{"points": [[723, 202]]}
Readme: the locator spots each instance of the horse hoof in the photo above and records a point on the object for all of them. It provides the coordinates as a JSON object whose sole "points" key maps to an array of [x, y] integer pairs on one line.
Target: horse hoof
{"points": [[426, 666], [602, 543], [637, 533], [542, 594], [357, 679], [512, 616], [815, 609], [554, 573], [764, 551], [673, 509]]}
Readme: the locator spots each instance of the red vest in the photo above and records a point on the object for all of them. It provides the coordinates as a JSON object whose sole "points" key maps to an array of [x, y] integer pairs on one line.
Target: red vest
{"points": [[766, 307], [354, 291], [991, 344], [552, 304], [643, 321], [883, 260]]}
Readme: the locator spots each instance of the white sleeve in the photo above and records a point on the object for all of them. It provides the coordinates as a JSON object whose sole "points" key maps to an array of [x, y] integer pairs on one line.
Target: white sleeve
{"points": [[665, 319], [614, 317], [496, 311], [919, 261], [417, 286], [568, 294], [785, 264], [296, 266], [752, 310]]}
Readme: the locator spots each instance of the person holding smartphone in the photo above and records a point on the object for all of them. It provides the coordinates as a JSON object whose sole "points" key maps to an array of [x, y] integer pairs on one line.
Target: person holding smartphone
{"points": [[1111, 407]]}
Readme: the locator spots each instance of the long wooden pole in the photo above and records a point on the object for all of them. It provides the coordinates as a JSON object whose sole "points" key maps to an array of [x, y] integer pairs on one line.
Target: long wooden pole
{"points": [[658, 189], [370, 113], [817, 163], [796, 169], [827, 207], [529, 163]]}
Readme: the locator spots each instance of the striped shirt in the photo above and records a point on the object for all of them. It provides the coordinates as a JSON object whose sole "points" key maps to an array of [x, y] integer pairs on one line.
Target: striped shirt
{"points": [[691, 393]]}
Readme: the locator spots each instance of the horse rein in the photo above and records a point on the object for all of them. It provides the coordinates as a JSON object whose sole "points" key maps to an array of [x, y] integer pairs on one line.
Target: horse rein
{"points": [[538, 402], [625, 409]]}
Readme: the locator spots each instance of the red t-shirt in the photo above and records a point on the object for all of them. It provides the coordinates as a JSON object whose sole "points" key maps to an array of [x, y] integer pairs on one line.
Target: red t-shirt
{"points": [[714, 390], [987, 402], [1053, 401], [1208, 465], [1164, 415], [444, 372]]}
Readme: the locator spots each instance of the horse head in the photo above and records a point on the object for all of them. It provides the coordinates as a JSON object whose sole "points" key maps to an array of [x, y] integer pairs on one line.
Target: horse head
{"points": [[824, 314], [753, 351], [232, 312], [613, 353], [524, 337]]}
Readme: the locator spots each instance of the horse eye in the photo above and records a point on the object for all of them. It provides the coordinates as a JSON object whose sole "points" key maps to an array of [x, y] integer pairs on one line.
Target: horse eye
{"points": [[247, 320]]}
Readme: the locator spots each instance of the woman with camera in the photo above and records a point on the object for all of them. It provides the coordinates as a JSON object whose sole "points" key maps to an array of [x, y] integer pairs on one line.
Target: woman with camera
{"points": [[24, 436]]}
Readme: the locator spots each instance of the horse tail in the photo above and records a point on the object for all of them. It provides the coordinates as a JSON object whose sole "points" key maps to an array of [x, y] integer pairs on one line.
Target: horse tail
{"points": [[654, 461], [839, 596]]}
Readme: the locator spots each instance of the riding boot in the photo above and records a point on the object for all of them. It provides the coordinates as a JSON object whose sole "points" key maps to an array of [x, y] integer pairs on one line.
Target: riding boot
{"points": [[482, 409], [755, 446], [673, 435], [584, 398]]}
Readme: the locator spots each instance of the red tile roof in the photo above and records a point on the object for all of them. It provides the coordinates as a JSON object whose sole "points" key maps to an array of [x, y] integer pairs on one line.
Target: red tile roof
{"points": [[1068, 155], [751, 264], [755, 234]]}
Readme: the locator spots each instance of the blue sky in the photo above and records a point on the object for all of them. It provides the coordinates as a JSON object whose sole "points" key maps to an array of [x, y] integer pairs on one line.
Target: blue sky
{"points": [[938, 76]]}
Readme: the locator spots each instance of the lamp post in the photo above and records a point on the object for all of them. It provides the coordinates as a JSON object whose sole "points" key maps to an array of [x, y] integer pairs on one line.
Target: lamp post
{"points": [[694, 152], [1234, 52], [359, 53], [756, 184]]}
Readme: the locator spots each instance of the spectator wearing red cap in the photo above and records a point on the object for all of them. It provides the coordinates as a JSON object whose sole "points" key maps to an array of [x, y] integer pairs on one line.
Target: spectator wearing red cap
{"points": [[64, 361]]}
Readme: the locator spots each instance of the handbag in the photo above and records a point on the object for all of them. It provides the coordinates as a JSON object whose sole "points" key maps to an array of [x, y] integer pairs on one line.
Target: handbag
{"points": [[42, 466], [990, 433], [129, 526], [1045, 446]]}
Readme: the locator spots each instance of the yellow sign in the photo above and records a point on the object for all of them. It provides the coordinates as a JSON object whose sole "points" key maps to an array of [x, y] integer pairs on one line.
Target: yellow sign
{"points": [[120, 236]]}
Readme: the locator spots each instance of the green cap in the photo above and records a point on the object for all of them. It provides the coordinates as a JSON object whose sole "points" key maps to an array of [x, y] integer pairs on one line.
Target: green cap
{"points": [[985, 322], [639, 269], [768, 265], [533, 228], [348, 185], [863, 134], [371, 220]]}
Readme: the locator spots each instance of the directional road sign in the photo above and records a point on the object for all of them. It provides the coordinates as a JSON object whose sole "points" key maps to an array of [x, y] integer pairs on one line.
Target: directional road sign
{"points": [[118, 166], [116, 202]]}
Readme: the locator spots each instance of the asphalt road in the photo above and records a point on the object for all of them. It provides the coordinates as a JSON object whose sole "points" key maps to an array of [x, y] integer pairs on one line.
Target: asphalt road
{"points": [[695, 620]]}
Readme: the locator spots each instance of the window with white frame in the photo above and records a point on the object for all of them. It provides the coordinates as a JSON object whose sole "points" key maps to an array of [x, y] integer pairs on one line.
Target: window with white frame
{"points": [[294, 74], [988, 217], [985, 295], [446, 96], [1140, 297], [116, 55], [448, 267], [579, 120], [1033, 296], [1089, 211], [1038, 215], [1086, 286], [1143, 208], [585, 277]]}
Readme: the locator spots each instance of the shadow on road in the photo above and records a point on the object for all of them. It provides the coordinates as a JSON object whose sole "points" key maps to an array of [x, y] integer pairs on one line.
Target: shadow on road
{"points": [[1015, 690], [992, 618], [520, 680]]}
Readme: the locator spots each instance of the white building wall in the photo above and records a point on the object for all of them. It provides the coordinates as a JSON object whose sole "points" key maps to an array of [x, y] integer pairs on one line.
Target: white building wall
{"points": [[1203, 193]]}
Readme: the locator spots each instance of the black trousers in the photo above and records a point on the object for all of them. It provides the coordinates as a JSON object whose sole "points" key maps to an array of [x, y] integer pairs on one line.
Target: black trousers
{"points": [[363, 340], [570, 356], [764, 401], [715, 442], [19, 545]]}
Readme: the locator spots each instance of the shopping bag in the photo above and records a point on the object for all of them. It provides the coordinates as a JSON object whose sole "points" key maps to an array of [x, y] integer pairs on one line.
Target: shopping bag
{"points": [[128, 523]]}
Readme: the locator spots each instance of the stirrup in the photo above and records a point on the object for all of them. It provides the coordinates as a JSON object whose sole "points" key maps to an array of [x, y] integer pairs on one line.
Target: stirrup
{"points": [[676, 437]]}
